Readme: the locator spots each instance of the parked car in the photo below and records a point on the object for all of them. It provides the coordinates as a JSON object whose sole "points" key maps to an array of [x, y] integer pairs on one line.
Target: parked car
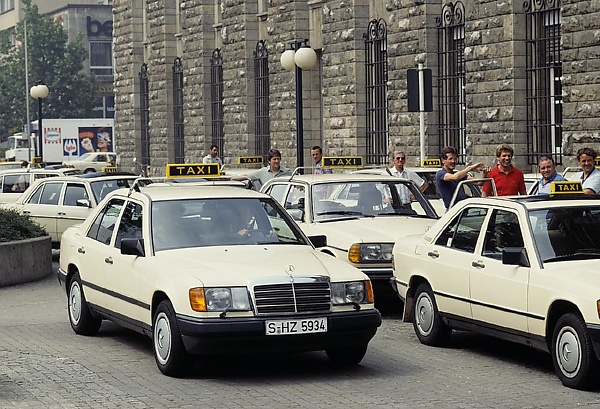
{"points": [[13, 182], [94, 162], [212, 270], [521, 268], [361, 215], [59, 202]]}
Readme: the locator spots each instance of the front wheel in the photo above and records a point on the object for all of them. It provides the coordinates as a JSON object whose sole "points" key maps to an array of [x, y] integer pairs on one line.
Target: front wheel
{"points": [[170, 354], [81, 318], [427, 322], [572, 352], [349, 356]]}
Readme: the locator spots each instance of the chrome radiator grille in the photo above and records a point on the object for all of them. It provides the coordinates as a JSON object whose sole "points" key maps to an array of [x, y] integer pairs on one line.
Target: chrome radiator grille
{"points": [[292, 298]]}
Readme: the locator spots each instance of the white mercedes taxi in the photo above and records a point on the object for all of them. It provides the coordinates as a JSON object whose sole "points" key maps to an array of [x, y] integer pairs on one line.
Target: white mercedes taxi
{"points": [[521, 268], [212, 270], [361, 215]]}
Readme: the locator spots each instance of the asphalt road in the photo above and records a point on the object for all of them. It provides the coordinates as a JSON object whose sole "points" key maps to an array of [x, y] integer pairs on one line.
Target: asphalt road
{"points": [[43, 364]]}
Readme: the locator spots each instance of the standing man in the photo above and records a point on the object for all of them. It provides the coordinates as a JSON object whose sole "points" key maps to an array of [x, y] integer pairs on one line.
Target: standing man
{"points": [[508, 179], [399, 160], [447, 178], [317, 155], [589, 176], [212, 156], [272, 170], [549, 175]]}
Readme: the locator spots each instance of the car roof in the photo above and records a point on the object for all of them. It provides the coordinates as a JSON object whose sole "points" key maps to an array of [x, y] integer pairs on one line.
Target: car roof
{"points": [[335, 177], [532, 202], [176, 191], [37, 170]]}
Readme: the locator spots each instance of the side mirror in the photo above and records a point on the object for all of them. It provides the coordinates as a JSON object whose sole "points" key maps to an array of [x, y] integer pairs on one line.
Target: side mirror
{"points": [[84, 203], [515, 256], [133, 247], [318, 241]]}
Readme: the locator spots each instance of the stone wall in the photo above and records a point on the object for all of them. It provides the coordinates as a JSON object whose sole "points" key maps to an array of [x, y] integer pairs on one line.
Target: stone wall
{"points": [[25, 261], [334, 91]]}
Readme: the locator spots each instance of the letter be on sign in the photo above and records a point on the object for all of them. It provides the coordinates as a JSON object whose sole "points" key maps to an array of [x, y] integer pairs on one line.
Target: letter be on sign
{"points": [[412, 80]]}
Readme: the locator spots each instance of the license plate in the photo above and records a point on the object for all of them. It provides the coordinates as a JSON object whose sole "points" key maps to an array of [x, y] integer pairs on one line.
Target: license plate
{"points": [[290, 327]]}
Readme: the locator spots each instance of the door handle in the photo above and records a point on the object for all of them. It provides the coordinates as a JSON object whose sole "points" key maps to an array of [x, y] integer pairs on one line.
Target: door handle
{"points": [[433, 254], [62, 214], [108, 260], [26, 212], [81, 250], [478, 264]]}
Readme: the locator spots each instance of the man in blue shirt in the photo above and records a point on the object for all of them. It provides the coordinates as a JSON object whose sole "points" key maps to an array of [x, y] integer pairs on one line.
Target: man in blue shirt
{"points": [[549, 175], [447, 178]]}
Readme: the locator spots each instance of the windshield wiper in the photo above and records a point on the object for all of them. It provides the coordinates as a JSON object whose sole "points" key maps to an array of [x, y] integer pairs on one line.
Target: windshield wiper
{"points": [[341, 212]]}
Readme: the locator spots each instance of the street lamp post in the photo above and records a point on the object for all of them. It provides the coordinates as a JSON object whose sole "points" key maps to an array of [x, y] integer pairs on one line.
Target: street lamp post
{"points": [[299, 56], [39, 92]]}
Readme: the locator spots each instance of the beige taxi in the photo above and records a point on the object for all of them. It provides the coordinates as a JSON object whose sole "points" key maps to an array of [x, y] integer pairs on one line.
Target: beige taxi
{"points": [[362, 216], [93, 162], [60, 202], [13, 182], [521, 268], [212, 270]]}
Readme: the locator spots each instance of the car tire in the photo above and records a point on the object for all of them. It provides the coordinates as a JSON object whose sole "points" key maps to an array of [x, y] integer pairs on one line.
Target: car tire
{"points": [[349, 356], [573, 354], [171, 357], [81, 318], [427, 322], [89, 170]]}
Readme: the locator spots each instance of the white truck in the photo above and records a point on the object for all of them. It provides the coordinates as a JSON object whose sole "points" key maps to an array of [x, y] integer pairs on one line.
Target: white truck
{"points": [[63, 140]]}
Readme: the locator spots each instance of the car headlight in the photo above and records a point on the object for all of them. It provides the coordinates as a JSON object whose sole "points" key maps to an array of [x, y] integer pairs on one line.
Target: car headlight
{"points": [[370, 252], [352, 292], [219, 299]]}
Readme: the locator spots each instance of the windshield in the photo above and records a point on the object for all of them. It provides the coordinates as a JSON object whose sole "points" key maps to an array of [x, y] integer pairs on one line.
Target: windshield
{"points": [[368, 198], [567, 233], [103, 187], [220, 222]]}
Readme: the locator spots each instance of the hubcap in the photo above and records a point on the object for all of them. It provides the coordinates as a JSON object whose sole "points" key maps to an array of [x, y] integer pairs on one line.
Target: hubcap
{"points": [[424, 314], [568, 351], [75, 303], [162, 338]]}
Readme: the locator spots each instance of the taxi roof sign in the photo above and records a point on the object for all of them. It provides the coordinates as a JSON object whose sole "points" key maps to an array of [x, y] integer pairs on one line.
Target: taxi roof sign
{"points": [[431, 163], [109, 169], [597, 162], [191, 170], [342, 162], [250, 160], [567, 187]]}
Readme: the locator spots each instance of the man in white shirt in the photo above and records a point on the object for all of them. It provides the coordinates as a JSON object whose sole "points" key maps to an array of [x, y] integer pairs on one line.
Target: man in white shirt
{"points": [[212, 156], [589, 176], [399, 160]]}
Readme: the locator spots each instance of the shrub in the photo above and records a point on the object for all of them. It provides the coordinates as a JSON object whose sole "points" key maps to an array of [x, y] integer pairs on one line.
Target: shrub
{"points": [[17, 226]]}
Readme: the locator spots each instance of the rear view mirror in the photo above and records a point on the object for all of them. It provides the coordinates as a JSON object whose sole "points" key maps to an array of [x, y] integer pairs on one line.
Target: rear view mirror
{"points": [[515, 256], [133, 247]]}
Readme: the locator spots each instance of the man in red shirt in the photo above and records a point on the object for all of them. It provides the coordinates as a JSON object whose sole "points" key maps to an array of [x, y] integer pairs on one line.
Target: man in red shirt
{"points": [[508, 179]]}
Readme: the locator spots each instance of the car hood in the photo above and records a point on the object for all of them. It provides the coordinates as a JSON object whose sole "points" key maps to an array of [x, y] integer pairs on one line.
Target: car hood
{"points": [[235, 265], [381, 229]]}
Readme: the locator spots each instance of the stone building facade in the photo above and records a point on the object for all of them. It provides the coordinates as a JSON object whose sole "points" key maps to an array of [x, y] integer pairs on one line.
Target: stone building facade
{"points": [[502, 72]]}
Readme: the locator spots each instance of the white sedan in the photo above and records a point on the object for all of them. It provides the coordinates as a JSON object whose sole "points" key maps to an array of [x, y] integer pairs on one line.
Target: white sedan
{"points": [[522, 268], [212, 270]]}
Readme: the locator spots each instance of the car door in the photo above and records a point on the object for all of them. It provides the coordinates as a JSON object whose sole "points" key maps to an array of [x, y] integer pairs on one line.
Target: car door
{"points": [[97, 254], [43, 206], [499, 291], [449, 260], [70, 212]]}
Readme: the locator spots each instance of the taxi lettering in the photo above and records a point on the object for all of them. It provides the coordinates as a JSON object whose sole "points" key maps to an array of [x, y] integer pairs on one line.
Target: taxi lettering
{"points": [[250, 160], [192, 170], [342, 161], [431, 163], [566, 187]]}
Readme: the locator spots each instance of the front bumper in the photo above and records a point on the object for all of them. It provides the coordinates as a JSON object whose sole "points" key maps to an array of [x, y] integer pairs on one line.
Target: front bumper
{"points": [[378, 273], [247, 335]]}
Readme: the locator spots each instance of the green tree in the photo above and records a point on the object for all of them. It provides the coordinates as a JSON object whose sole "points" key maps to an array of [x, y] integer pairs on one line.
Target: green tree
{"points": [[53, 61]]}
